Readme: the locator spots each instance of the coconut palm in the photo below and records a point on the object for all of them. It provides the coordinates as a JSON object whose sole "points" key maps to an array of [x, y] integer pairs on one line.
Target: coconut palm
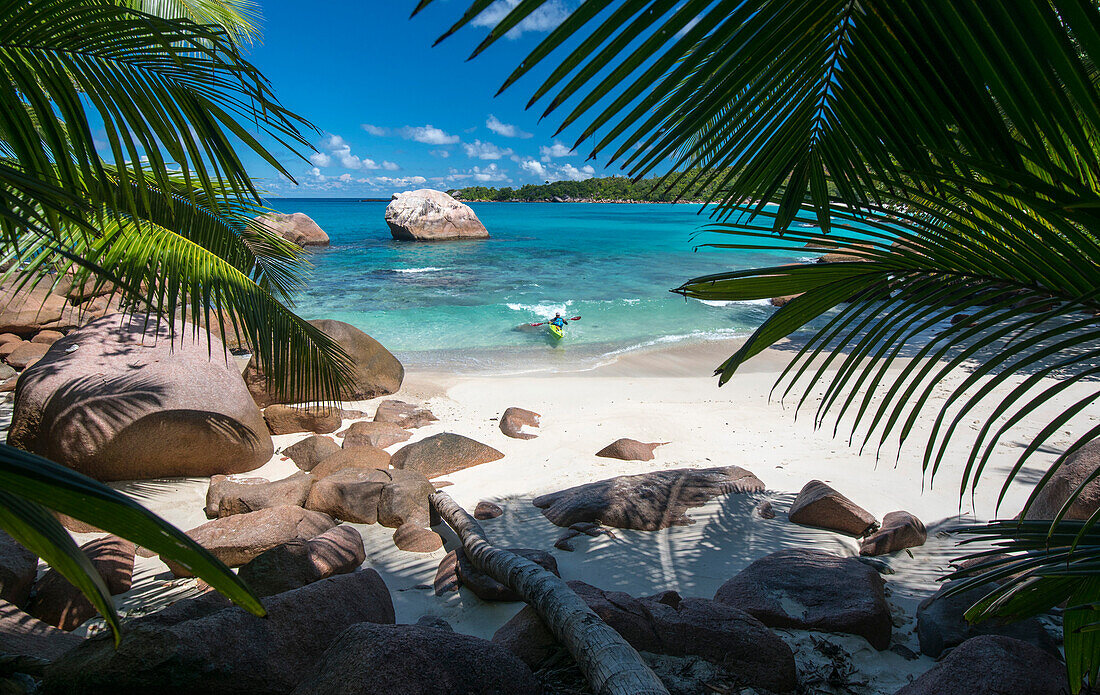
{"points": [[948, 152], [159, 205]]}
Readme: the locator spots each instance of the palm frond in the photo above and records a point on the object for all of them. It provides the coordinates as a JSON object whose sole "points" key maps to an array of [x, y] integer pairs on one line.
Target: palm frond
{"points": [[168, 91]]}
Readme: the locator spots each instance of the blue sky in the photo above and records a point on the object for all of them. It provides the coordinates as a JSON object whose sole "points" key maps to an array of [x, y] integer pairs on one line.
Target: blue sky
{"points": [[395, 113]]}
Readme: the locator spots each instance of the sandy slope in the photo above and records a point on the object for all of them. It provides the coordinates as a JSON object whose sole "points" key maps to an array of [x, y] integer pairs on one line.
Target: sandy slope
{"points": [[657, 396]]}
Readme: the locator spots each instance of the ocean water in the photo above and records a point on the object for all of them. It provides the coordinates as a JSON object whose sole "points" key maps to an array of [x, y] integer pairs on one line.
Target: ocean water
{"points": [[466, 304]]}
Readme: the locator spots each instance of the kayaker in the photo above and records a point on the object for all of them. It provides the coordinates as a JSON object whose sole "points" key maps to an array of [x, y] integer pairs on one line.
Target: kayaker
{"points": [[557, 321]]}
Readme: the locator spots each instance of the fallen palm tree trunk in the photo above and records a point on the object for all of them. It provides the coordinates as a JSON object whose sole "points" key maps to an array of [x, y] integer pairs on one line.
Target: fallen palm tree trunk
{"points": [[611, 666]]}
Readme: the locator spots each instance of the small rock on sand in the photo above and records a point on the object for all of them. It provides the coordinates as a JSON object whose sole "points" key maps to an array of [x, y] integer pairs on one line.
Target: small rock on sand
{"points": [[629, 450], [899, 530], [821, 506], [514, 420], [487, 510], [404, 414]]}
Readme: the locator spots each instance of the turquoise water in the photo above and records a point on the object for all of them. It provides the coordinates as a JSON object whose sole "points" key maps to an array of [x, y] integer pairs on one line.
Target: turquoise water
{"points": [[466, 303]]}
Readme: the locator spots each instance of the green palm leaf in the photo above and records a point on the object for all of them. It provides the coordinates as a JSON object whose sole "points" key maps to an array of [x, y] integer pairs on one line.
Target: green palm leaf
{"points": [[947, 149], [30, 482]]}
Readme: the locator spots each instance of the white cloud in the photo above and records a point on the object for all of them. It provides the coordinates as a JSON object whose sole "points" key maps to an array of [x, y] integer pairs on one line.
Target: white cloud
{"points": [[534, 167], [344, 178], [390, 166], [505, 130], [574, 174], [428, 135], [339, 152], [489, 173], [556, 151], [547, 17], [375, 130], [442, 154], [552, 173], [485, 150]]}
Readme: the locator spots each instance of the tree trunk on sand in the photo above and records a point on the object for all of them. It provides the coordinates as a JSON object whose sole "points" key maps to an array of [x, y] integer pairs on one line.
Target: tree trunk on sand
{"points": [[611, 666]]}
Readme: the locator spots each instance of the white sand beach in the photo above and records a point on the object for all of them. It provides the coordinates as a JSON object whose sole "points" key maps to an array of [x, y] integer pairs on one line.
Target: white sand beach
{"points": [[666, 396]]}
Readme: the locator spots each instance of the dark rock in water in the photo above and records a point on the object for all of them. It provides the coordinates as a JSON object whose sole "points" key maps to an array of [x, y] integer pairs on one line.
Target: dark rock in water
{"points": [[368, 457], [117, 400], [369, 659], [286, 419], [514, 420], [992, 665], [205, 647], [296, 227], [456, 570], [229, 496], [667, 624], [1074, 471], [307, 453], [428, 215], [899, 530], [812, 590], [487, 510], [629, 450], [18, 569], [298, 562], [24, 636], [648, 501], [443, 453], [62, 605], [236, 539], [377, 434], [404, 414], [377, 371], [941, 625], [823, 507]]}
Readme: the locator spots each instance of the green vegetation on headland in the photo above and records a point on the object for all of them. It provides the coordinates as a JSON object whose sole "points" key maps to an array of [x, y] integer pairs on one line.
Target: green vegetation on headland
{"points": [[684, 188]]}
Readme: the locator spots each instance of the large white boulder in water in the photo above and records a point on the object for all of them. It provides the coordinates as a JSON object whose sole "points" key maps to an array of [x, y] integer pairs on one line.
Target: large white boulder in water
{"points": [[122, 400], [297, 227], [427, 215]]}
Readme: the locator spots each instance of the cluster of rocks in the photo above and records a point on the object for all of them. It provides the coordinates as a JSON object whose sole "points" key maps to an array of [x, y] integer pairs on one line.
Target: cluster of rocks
{"points": [[123, 399], [820, 506]]}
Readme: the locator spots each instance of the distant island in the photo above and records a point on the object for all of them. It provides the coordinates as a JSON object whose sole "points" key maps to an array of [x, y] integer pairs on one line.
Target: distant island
{"points": [[607, 189]]}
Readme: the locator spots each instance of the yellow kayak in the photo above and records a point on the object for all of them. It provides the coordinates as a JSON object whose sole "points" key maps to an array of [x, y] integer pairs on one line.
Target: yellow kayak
{"points": [[556, 331]]}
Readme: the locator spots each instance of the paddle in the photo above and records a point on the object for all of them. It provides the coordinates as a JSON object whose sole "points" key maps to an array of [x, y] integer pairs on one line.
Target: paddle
{"points": [[543, 323]]}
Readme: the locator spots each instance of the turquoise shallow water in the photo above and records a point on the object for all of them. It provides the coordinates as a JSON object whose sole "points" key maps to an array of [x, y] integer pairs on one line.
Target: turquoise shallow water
{"points": [[464, 303]]}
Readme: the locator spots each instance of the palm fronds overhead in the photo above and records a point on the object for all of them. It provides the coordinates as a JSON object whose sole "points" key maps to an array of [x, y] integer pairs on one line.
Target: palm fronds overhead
{"points": [[949, 153], [121, 125], [167, 94]]}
